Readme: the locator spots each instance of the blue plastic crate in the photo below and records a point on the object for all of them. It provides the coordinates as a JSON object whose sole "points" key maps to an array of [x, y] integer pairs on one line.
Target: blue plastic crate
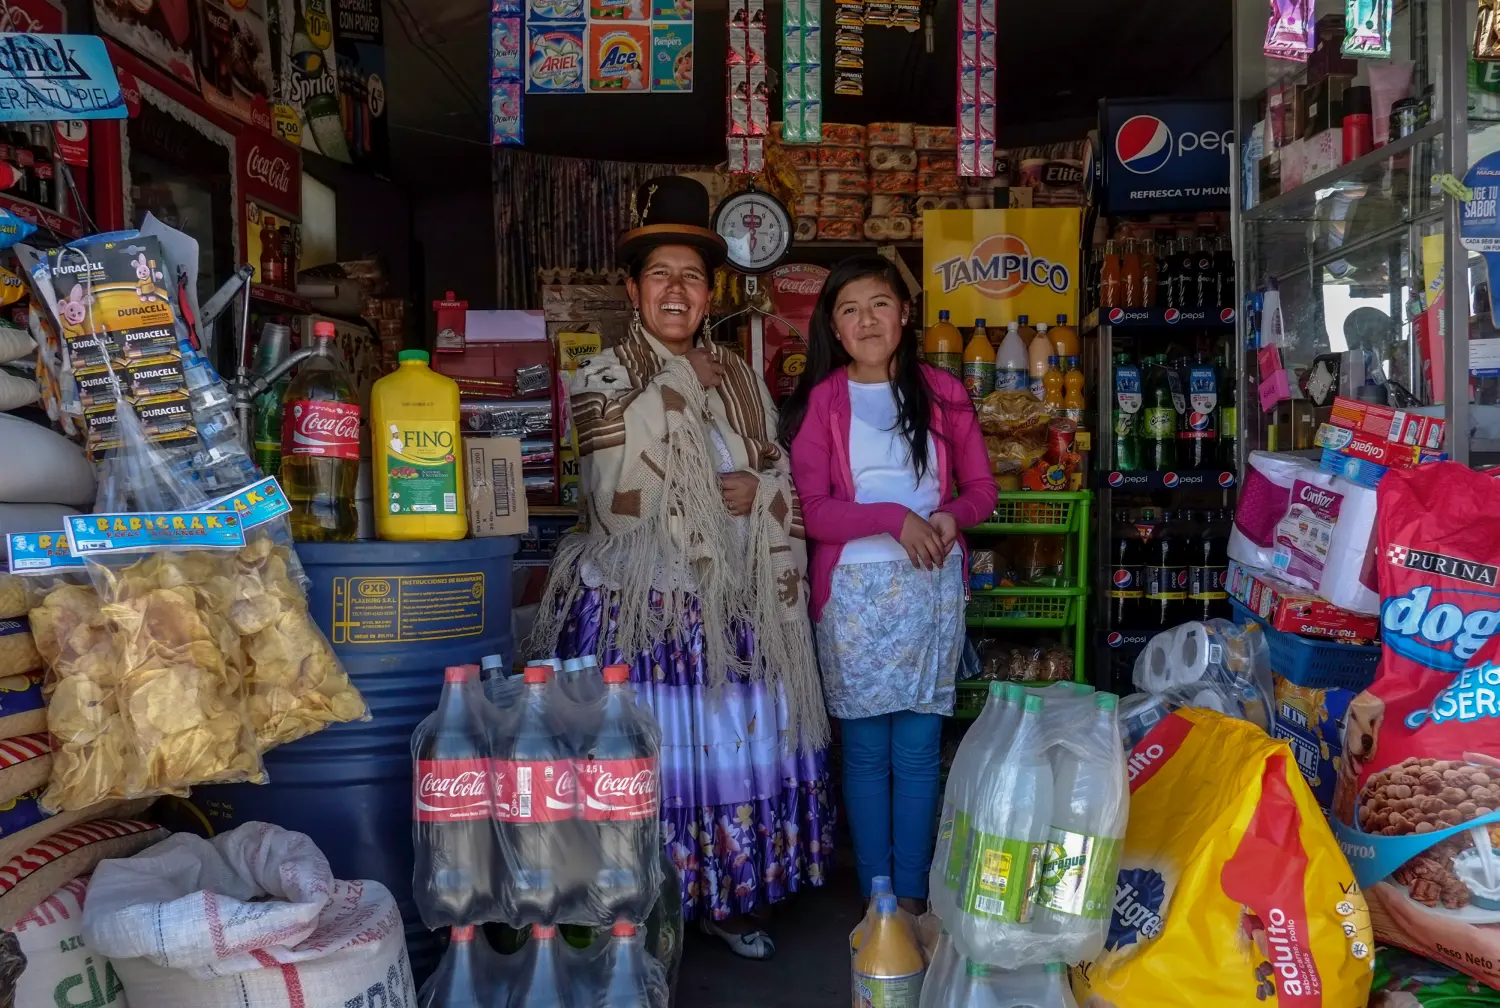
{"points": [[1313, 663]]}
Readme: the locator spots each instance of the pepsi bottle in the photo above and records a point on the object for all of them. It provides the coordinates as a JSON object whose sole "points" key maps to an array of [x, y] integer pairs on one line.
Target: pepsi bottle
{"points": [[1127, 593], [1166, 276], [1166, 573], [1208, 569], [1157, 430], [1197, 441], [1186, 273], [1205, 277]]}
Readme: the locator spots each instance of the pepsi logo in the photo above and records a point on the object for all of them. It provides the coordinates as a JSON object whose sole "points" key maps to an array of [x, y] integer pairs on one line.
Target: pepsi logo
{"points": [[1227, 315], [1115, 315], [1123, 578], [1226, 479], [1143, 144], [1171, 316], [1199, 421], [1116, 479], [1115, 639], [1169, 479]]}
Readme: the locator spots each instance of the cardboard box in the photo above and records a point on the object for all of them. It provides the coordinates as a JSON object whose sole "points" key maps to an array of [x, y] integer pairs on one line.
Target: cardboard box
{"points": [[1389, 424], [1297, 610], [1312, 720], [1357, 444], [497, 499]]}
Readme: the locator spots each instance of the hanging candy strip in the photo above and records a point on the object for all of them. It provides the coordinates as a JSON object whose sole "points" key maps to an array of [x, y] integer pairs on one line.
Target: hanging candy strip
{"points": [[1290, 34], [749, 93], [507, 35], [802, 72], [1367, 28], [976, 88]]}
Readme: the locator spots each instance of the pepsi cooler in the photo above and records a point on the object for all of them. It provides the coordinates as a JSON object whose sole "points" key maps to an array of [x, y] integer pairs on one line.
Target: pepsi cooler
{"points": [[1165, 155]]}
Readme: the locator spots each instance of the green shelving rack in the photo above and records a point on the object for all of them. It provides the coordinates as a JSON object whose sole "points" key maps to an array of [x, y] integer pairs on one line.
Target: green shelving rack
{"points": [[1061, 513]]}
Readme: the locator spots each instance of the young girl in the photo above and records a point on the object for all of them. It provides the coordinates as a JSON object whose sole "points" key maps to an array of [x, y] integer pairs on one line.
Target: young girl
{"points": [[889, 462]]}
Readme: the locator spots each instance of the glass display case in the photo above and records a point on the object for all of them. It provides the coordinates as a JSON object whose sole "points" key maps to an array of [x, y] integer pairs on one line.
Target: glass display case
{"points": [[1339, 216]]}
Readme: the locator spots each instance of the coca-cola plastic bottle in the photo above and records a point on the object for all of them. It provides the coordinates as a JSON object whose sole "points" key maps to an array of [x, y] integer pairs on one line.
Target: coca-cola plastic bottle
{"points": [[543, 978], [536, 781], [457, 868], [320, 446], [468, 974], [617, 792], [631, 978]]}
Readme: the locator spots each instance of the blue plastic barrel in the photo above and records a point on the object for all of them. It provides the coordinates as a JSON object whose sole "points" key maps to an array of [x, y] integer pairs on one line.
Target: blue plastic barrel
{"points": [[396, 614]]}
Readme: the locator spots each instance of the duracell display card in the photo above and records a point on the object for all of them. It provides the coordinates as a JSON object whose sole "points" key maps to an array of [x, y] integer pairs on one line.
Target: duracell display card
{"points": [[115, 315]]}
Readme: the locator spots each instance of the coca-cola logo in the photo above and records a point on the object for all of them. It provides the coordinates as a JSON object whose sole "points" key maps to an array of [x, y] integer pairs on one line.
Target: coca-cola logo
{"points": [[808, 287], [469, 784], [1317, 498], [564, 790], [275, 170], [338, 427], [321, 428], [642, 783], [618, 789]]}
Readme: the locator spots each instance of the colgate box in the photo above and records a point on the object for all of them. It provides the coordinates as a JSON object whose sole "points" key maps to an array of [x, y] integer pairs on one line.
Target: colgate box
{"points": [[1296, 610], [1385, 423], [1378, 450]]}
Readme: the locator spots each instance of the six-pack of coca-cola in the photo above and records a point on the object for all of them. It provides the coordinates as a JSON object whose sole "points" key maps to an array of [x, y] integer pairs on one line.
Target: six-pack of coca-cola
{"points": [[541, 809]]}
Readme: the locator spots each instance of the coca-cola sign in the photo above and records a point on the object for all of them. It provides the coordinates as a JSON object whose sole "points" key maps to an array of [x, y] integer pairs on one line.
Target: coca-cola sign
{"points": [[319, 427], [450, 790], [270, 172], [36, 16], [617, 789]]}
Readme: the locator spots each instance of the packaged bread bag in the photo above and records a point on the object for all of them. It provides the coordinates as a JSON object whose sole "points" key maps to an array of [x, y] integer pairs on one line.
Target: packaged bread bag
{"points": [[1417, 799], [1232, 891]]}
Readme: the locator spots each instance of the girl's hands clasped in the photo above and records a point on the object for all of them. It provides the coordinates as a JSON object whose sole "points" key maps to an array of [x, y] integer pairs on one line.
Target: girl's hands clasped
{"points": [[923, 543], [946, 526]]}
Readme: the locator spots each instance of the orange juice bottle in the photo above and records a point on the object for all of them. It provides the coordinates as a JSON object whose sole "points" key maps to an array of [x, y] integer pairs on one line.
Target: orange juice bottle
{"points": [[943, 346], [418, 457], [1052, 386], [1109, 278], [1065, 339], [1075, 407], [1130, 274], [979, 364], [888, 967]]}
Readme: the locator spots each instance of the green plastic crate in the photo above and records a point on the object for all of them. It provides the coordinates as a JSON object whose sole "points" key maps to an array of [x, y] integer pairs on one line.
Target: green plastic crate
{"points": [[1052, 512], [1024, 607]]}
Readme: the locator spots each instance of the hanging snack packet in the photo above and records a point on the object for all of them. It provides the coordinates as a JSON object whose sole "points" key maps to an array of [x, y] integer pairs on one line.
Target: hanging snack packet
{"points": [[166, 581], [1486, 33], [1292, 30], [1367, 28], [1417, 797]]}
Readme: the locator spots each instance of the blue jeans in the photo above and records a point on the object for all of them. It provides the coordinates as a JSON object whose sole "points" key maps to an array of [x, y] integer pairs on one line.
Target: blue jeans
{"points": [[891, 795]]}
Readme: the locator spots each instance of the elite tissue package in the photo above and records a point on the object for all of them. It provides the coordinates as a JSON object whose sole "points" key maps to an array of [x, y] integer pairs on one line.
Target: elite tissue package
{"points": [[1310, 528]]}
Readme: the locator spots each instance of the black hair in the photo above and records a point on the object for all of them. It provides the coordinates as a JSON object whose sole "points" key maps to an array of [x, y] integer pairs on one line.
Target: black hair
{"points": [[825, 355]]}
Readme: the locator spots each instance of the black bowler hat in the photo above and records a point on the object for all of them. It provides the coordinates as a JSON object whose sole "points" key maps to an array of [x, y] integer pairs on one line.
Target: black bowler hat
{"points": [[671, 210]]}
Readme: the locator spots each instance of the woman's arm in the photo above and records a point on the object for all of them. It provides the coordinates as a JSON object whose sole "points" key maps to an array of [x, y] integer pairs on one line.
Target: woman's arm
{"points": [[971, 462], [827, 519]]}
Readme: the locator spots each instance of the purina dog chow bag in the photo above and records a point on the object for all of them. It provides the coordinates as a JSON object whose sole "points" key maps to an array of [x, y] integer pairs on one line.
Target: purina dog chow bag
{"points": [[1418, 789], [1231, 892]]}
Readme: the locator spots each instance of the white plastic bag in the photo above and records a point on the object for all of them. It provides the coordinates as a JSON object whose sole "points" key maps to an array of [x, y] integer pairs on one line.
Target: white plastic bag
{"points": [[252, 917]]}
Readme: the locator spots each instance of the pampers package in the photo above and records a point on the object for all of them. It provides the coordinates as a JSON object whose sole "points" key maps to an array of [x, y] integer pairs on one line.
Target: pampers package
{"points": [[1310, 528], [1232, 892], [1417, 800]]}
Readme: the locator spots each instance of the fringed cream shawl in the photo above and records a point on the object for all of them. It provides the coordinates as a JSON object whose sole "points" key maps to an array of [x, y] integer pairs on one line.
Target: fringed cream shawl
{"points": [[652, 516]]}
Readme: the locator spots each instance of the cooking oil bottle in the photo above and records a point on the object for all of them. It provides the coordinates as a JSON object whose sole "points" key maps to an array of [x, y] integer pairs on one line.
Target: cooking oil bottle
{"points": [[888, 967], [418, 458]]}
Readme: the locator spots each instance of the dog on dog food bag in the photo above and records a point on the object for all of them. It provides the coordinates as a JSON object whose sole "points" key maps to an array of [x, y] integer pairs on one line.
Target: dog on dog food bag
{"points": [[1415, 804], [1232, 892]]}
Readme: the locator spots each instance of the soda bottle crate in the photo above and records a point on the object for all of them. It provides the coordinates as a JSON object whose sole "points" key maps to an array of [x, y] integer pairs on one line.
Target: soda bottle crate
{"points": [[1313, 663], [1056, 512]]}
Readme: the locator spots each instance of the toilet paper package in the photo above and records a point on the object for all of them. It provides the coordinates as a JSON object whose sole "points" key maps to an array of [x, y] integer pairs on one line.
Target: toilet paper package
{"points": [[1309, 527], [1216, 665]]}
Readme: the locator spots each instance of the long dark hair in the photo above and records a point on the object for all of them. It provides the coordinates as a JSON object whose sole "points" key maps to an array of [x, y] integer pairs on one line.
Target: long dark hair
{"points": [[825, 355]]}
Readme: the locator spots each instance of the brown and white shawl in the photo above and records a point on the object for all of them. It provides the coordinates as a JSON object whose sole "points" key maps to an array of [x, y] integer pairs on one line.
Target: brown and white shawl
{"points": [[652, 516]]}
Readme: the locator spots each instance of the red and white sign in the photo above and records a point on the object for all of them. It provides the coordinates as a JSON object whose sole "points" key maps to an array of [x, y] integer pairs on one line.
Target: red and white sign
{"points": [[617, 789], [794, 291], [535, 791], [451, 790], [41, 17], [270, 172], [319, 427]]}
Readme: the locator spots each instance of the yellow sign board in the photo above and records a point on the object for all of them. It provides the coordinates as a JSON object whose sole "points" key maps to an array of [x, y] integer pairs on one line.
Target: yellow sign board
{"points": [[1000, 264]]}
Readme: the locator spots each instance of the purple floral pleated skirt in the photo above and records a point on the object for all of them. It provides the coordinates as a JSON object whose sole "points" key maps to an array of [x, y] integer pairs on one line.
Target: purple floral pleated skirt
{"points": [[745, 821]]}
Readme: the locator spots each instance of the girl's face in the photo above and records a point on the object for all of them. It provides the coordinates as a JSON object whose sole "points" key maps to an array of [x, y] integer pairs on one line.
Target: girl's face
{"points": [[672, 294], [867, 319]]}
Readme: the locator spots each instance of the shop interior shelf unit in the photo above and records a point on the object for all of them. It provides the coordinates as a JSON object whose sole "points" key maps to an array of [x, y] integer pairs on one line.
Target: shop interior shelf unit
{"points": [[1063, 607]]}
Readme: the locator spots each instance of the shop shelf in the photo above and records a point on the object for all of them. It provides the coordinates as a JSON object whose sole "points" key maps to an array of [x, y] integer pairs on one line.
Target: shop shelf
{"points": [[1055, 512], [1159, 318], [969, 696], [1312, 663], [1181, 479], [1040, 608]]}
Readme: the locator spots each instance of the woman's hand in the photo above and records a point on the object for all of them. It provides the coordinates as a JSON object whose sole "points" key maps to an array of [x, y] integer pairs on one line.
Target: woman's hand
{"points": [[922, 542], [946, 526], [738, 490], [709, 371]]}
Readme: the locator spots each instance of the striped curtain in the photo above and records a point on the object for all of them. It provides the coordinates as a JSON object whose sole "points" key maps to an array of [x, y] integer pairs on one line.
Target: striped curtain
{"points": [[555, 212]]}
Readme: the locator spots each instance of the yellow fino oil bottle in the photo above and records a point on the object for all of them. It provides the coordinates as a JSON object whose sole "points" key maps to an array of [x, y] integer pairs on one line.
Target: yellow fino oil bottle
{"points": [[418, 458], [888, 968]]}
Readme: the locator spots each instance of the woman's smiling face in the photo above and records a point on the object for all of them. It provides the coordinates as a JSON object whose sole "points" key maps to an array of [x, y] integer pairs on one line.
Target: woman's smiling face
{"points": [[672, 294], [868, 318]]}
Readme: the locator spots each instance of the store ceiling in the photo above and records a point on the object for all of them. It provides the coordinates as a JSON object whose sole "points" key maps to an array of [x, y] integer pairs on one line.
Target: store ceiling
{"points": [[1054, 68]]}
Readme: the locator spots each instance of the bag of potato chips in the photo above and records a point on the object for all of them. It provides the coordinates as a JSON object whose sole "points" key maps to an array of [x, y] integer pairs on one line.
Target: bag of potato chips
{"points": [[1232, 891]]}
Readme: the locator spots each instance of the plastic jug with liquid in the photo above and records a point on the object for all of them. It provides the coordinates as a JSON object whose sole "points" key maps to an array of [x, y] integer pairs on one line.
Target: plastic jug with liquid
{"points": [[943, 346], [888, 968], [880, 886], [417, 453]]}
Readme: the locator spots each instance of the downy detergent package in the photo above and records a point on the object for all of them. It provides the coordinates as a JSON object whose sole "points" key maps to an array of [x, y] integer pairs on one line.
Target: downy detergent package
{"points": [[1417, 799], [1231, 892]]}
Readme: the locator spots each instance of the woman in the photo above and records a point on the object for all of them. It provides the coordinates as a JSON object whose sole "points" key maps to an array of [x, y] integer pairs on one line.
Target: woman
{"points": [[879, 443], [690, 568]]}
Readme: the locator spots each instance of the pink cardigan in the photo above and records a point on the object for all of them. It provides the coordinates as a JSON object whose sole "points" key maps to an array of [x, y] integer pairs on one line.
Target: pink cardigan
{"points": [[825, 477]]}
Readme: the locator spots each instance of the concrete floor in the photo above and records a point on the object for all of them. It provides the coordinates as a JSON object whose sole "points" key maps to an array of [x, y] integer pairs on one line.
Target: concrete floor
{"points": [[811, 965]]}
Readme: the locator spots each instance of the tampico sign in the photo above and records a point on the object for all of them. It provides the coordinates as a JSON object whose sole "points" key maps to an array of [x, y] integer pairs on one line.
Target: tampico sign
{"points": [[1000, 264], [46, 77]]}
